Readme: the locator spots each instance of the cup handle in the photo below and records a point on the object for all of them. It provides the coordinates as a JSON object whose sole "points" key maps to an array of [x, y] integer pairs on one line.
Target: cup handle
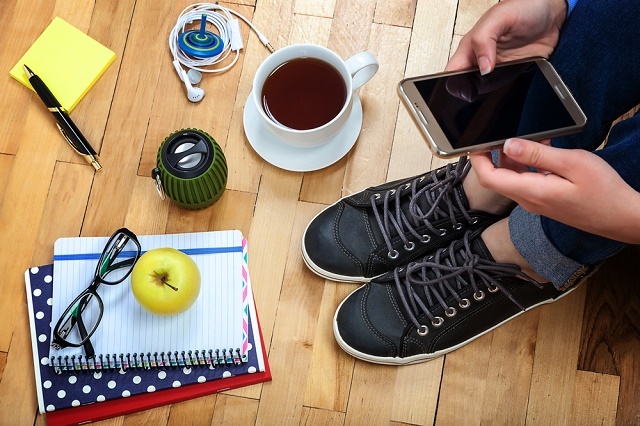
{"points": [[362, 66]]}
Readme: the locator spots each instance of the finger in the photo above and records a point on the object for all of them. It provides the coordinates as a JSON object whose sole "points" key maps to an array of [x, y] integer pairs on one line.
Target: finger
{"points": [[463, 58], [537, 155], [520, 187]]}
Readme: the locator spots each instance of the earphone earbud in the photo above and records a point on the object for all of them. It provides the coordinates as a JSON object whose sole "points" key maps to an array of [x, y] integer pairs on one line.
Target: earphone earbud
{"points": [[194, 94], [194, 76]]}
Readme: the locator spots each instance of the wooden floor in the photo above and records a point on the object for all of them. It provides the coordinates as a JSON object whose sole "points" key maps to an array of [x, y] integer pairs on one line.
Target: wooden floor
{"points": [[573, 362]]}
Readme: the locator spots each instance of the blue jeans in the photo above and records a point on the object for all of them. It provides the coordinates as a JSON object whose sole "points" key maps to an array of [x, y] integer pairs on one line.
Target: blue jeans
{"points": [[598, 59]]}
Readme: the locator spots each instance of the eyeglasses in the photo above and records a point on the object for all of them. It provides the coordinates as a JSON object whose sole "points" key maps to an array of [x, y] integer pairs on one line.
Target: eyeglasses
{"points": [[82, 317]]}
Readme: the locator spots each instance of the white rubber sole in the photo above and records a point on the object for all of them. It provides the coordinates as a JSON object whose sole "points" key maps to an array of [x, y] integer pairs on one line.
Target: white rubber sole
{"points": [[415, 359]]}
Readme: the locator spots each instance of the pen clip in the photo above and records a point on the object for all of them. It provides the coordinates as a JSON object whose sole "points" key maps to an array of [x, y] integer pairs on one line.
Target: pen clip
{"points": [[69, 141]]}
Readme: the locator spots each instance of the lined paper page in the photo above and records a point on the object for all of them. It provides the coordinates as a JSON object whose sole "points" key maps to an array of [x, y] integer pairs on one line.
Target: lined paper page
{"points": [[215, 321]]}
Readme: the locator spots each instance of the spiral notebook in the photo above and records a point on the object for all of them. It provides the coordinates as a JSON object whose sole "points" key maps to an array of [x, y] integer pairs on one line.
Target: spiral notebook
{"points": [[213, 330], [82, 396]]}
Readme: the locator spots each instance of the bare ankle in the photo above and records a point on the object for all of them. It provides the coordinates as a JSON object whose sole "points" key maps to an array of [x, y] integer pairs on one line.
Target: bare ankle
{"points": [[497, 239], [483, 199]]}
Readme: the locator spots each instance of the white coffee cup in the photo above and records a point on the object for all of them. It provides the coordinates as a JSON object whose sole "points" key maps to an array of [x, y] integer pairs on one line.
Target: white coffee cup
{"points": [[355, 71]]}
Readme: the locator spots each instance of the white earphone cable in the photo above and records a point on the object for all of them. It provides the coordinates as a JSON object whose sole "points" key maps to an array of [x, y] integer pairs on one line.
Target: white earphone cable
{"points": [[228, 30]]}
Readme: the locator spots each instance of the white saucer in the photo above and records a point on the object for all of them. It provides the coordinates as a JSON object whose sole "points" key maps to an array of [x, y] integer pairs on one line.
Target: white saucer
{"points": [[266, 143]]}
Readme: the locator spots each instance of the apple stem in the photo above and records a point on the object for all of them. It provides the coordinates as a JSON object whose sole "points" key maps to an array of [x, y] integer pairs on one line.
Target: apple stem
{"points": [[164, 281]]}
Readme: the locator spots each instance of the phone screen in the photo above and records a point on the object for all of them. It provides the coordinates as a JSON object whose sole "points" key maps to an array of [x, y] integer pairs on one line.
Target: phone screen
{"points": [[514, 100]]}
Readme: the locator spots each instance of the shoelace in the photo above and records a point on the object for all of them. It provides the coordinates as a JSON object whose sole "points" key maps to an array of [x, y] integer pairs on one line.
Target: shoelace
{"points": [[421, 293], [440, 196]]}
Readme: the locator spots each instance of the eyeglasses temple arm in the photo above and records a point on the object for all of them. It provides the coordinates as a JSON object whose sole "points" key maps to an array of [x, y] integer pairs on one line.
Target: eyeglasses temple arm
{"points": [[88, 347]]}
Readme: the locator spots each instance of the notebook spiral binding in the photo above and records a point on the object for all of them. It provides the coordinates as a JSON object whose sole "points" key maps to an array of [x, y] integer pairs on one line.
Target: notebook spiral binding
{"points": [[163, 360]]}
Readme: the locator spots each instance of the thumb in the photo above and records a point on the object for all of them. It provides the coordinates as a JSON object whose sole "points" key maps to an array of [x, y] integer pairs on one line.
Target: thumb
{"points": [[537, 155]]}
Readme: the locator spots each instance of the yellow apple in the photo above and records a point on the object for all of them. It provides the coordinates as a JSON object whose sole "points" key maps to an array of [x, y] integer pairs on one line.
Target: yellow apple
{"points": [[165, 281]]}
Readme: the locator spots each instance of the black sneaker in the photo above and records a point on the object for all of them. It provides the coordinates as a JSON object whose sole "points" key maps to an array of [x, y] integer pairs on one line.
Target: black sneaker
{"points": [[431, 307], [372, 232]]}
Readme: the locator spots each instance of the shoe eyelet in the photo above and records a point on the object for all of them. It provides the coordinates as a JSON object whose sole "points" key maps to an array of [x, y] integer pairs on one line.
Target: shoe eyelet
{"points": [[421, 179], [492, 289], [423, 330], [438, 322], [393, 191], [407, 186], [465, 303], [377, 196], [410, 246], [473, 220], [443, 232], [450, 312], [425, 239], [457, 227], [479, 295], [393, 254]]}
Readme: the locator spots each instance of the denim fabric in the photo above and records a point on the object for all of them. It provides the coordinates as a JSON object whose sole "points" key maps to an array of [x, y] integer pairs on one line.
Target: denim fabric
{"points": [[598, 60]]}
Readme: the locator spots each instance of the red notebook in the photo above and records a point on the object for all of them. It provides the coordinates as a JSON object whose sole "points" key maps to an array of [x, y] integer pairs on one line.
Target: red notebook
{"points": [[69, 398]]}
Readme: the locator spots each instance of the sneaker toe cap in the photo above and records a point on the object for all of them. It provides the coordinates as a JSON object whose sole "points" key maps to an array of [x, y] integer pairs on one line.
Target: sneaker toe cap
{"points": [[324, 246], [367, 324]]}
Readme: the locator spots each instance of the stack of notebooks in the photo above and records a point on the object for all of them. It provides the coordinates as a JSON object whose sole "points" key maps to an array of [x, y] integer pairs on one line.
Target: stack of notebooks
{"points": [[144, 360]]}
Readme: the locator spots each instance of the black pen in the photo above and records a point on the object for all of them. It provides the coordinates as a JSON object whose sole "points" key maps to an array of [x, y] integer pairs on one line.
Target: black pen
{"points": [[69, 130]]}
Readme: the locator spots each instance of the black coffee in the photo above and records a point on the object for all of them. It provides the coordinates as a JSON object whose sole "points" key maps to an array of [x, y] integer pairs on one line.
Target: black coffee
{"points": [[303, 93]]}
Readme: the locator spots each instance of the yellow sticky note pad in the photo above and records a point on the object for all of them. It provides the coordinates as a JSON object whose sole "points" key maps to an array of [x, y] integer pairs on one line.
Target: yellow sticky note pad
{"points": [[67, 60]]}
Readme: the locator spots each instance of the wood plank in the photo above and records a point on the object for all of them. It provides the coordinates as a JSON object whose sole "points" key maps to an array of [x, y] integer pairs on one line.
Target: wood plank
{"points": [[245, 165], [275, 208], [148, 417], [556, 358], [148, 213], [463, 383], [595, 399], [370, 401], [131, 106], [610, 342], [194, 412], [331, 369], [108, 23], [350, 31], [313, 416], [18, 18], [322, 8], [231, 410], [293, 333], [509, 370], [369, 158], [416, 392], [397, 13], [6, 164], [18, 402], [62, 217], [434, 21], [24, 204], [469, 11]]}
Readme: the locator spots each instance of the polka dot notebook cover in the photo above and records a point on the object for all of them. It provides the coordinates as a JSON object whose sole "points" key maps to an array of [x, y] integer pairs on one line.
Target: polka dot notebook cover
{"points": [[118, 392]]}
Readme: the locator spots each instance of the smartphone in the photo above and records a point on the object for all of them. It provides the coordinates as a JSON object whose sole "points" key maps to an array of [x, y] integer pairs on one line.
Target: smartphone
{"points": [[463, 111]]}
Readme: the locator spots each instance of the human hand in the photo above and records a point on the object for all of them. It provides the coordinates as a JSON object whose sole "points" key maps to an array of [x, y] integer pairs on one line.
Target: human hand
{"points": [[572, 186], [510, 30]]}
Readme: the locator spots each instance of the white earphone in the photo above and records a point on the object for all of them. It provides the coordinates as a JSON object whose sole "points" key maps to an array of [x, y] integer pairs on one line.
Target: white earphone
{"points": [[194, 94], [229, 31]]}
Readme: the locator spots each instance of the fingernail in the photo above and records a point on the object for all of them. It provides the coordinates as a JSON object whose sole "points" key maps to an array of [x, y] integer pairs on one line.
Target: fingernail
{"points": [[512, 147], [484, 65]]}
